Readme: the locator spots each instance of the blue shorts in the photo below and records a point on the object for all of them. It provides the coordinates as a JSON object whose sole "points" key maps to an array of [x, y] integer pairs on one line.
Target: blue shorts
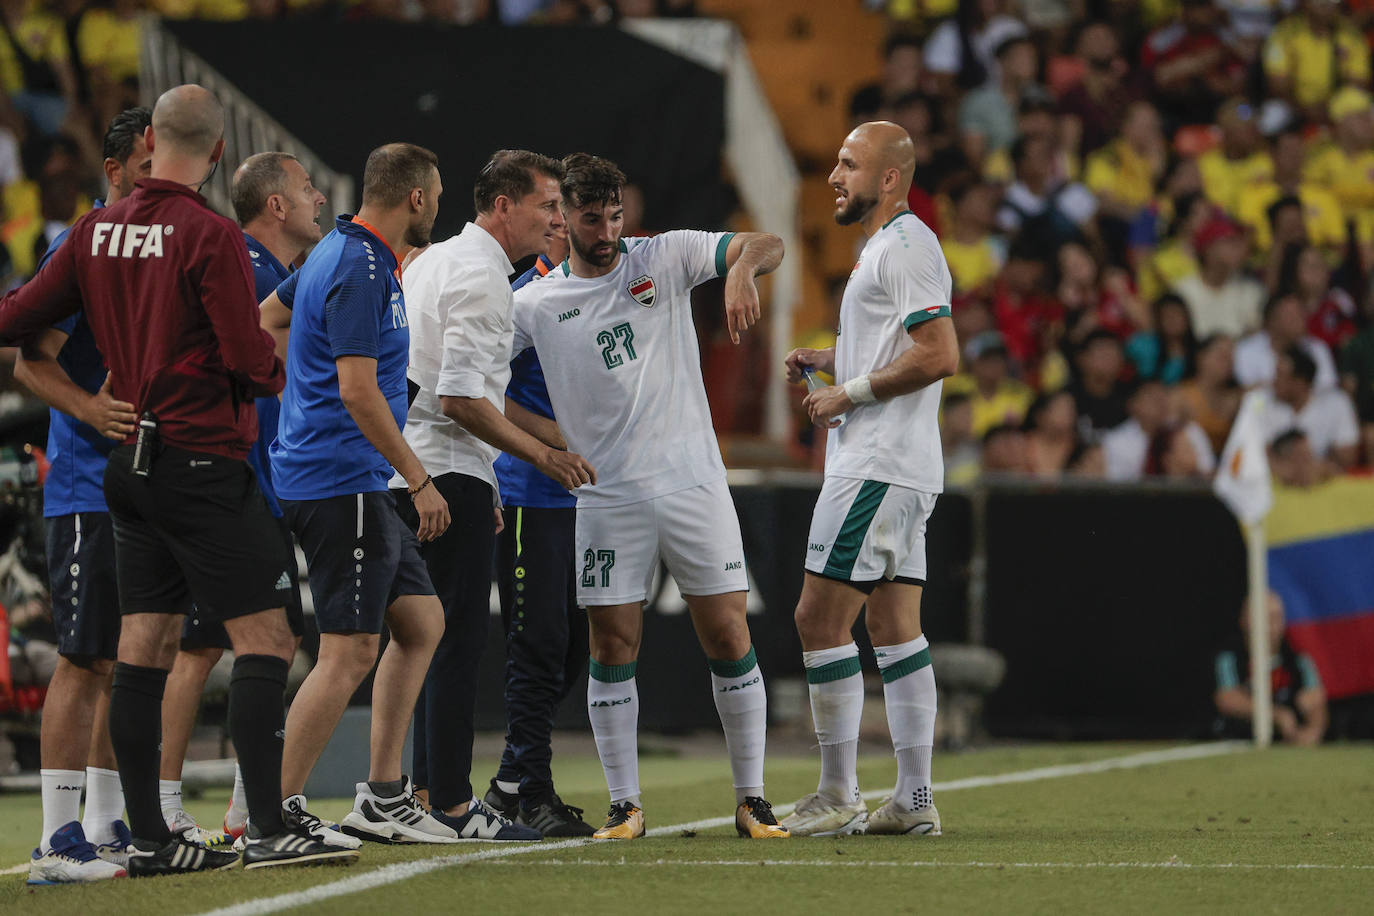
{"points": [[360, 557], [199, 632], [81, 574]]}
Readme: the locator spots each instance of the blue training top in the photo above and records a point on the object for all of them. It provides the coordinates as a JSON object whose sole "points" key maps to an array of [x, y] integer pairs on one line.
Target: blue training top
{"points": [[345, 301], [521, 483], [75, 481], [268, 273]]}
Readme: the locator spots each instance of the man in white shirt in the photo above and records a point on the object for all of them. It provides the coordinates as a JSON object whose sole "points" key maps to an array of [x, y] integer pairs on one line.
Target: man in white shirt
{"points": [[1221, 299], [1325, 415], [613, 329], [1126, 448], [883, 471], [1285, 325], [458, 305]]}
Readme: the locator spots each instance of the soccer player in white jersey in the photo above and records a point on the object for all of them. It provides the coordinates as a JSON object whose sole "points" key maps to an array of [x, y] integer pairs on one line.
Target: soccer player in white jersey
{"points": [[613, 329], [883, 469]]}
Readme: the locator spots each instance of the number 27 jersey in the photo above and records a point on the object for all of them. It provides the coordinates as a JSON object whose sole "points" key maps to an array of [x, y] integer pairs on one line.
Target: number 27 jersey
{"points": [[622, 365]]}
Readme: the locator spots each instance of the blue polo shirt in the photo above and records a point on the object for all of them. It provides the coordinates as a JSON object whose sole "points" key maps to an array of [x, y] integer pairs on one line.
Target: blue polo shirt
{"points": [[268, 273], [521, 483], [75, 481], [345, 301]]}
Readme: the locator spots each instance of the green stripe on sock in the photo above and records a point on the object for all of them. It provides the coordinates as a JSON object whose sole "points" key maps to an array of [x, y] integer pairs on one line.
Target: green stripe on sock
{"points": [[610, 674], [906, 666], [736, 668], [835, 671], [845, 552]]}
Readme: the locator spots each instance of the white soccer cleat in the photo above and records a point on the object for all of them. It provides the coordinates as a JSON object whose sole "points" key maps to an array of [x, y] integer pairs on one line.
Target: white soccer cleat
{"points": [[402, 819], [326, 832], [70, 860], [816, 815], [117, 850], [183, 825], [892, 819]]}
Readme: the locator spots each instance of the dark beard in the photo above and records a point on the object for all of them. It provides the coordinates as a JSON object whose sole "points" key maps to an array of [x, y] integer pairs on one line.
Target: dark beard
{"points": [[605, 260], [855, 210], [417, 236]]}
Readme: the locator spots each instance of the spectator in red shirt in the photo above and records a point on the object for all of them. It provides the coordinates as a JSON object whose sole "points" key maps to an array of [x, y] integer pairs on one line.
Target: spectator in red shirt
{"points": [[1191, 68], [1092, 110]]}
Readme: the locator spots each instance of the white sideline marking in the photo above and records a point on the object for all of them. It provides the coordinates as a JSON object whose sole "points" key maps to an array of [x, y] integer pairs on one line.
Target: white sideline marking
{"points": [[835, 863], [400, 871], [16, 869]]}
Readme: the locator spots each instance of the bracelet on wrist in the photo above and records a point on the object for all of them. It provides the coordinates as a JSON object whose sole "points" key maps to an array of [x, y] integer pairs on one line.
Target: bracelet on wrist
{"points": [[860, 390], [426, 482]]}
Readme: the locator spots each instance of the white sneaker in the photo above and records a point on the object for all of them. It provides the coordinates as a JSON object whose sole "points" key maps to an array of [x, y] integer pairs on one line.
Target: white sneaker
{"points": [[183, 825], [70, 860], [816, 815], [327, 832], [394, 820], [891, 818], [117, 850]]}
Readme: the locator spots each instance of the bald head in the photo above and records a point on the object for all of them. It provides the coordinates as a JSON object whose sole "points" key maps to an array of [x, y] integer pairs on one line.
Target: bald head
{"points": [[874, 172], [886, 146], [189, 119]]}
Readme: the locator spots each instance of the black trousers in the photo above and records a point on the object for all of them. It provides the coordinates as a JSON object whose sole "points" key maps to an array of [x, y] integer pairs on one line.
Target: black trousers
{"points": [[546, 637], [459, 562]]}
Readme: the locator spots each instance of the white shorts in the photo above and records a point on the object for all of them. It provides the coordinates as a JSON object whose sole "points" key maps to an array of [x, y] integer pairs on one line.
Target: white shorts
{"points": [[695, 532], [863, 532]]}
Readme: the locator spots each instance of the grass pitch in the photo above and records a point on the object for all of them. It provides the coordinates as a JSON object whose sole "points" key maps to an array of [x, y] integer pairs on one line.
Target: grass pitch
{"points": [[1281, 830]]}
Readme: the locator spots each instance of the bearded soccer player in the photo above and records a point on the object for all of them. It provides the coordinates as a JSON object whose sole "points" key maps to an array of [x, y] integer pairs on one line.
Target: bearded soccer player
{"points": [[883, 470], [613, 329]]}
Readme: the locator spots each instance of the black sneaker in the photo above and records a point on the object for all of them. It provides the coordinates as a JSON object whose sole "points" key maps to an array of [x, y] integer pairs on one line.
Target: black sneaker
{"points": [[293, 846], [551, 817], [178, 856], [503, 803]]}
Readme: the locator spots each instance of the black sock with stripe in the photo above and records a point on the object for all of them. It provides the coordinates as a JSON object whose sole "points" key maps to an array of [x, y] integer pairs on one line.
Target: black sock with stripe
{"points": [[257, 713], [136, 734]]}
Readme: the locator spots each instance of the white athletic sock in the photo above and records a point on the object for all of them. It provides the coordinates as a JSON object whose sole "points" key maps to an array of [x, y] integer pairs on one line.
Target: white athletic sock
{"points": [[742, 704], [169, 790], [104, 804], [613, 707], [508, 786], [237, 815], [909, 690], [61, 801], [837, 704]]}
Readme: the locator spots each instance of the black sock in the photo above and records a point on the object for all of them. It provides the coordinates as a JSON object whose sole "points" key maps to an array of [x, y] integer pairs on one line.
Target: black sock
{"points": [[136, 733], [388, 789], [257, 711]]}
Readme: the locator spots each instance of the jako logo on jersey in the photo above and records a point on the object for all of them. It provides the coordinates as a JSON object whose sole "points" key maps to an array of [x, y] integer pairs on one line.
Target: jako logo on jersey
{"points": [[398, 311], [733, 564], [603, 703], [819, 548], [128, 240], [564, 316], [642, 288], [749, 683]]}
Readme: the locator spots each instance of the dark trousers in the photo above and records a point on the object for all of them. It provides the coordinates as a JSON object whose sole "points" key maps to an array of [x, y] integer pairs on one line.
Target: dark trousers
{"points": [[546, 637], [459, 562]]}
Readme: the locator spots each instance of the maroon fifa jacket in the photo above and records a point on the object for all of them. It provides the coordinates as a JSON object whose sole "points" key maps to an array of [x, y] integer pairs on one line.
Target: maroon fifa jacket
{"points": [[167, 289]]}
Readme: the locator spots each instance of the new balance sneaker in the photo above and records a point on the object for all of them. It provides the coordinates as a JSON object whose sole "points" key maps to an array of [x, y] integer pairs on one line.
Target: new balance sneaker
{"points": [[754, 819], [506, 804], [327, 832], [394, 820], [293, 846], [117, 850], [179, 855], [481, 823], [552, 818], [70, 859], [891, 818], [816, 815], [624, 821], [183, 825]]}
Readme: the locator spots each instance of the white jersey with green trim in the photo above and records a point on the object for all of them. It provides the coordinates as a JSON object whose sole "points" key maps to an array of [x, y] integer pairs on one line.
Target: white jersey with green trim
{"points": [[901, 280], [622, 365]]}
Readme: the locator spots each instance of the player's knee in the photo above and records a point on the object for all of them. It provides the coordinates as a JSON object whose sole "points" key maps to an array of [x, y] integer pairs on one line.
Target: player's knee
{"points": [[818, 626], [349, 657], [417, 622], [613, 648]]}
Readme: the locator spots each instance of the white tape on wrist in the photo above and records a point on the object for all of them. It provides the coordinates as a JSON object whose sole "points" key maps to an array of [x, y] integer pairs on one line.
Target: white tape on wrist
{"points": [[860, 390]]}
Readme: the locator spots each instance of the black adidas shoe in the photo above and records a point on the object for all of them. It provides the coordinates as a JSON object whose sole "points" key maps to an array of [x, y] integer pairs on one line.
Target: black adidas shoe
{"points": [[506, 804], [551, 817], [293, 846], [178, 856]]}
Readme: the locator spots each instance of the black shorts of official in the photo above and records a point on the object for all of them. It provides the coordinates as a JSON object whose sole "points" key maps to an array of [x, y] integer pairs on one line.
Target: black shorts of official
{"points": [[197, 529], [200, 632], [359, 557], [85, 594]]}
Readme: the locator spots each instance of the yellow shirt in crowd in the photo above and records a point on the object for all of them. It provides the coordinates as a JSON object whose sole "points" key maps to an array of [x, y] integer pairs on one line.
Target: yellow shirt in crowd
{"points": [[1008, 403], [42, 36], [1320, 209], [1315, 64], [1120, 171], [971, 265], [1223, 179], [1349, 178], [1170, 263], [105, 40]]}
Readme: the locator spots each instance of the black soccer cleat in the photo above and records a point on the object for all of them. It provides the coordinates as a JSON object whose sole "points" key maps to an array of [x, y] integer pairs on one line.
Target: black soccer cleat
{"points": [[293, 846], [178, 856], [551, 817]]}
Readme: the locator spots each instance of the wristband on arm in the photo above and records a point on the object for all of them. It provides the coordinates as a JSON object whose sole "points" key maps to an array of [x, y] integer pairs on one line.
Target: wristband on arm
{"points": [[860, 390]]}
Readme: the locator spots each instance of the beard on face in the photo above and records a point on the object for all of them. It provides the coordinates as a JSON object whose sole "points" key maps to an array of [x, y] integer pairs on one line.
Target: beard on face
{"points": [[586, 254], [418, 233], [856, 207]]}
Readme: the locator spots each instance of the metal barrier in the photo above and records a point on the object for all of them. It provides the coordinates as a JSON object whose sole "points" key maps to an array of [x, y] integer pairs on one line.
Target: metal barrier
{"points": [[247, 128]]}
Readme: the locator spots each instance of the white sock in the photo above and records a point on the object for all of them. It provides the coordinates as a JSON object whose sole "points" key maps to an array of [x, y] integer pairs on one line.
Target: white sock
{"points": [[613, 707], [510, 787], [237, 815], [742, 704], [909, 691], [170, 792], [104, 804], [61, 801], [837, 704]]}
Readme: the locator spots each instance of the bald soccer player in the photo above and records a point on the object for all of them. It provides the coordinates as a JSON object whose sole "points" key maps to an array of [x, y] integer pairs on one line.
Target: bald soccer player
{"points": [[883, 470], [167, 288]]}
